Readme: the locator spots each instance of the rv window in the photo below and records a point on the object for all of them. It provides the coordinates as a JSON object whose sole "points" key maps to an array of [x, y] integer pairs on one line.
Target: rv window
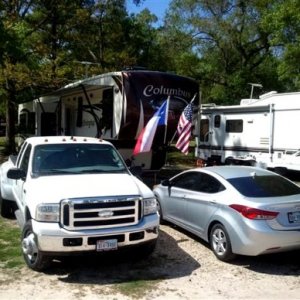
{"points": [[204, 129], [217, 122], [234, 126]]}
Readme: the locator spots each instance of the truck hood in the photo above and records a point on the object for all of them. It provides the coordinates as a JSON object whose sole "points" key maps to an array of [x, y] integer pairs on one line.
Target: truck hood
{"points": [[51, 189]]}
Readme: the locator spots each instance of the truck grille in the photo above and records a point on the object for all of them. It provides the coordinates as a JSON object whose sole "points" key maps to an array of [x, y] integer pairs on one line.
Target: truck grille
{"points": [[100, 212]]}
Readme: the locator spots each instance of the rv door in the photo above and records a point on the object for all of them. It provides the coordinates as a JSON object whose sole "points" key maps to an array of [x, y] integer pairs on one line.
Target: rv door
{"points": [[204, 138]]}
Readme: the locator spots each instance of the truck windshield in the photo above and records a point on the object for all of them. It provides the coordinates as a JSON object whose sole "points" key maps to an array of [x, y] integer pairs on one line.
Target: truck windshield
{"points": [[50, 159]]}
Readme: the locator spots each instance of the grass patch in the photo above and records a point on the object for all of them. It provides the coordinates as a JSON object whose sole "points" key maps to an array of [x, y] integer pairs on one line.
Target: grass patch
{"points": [[176, 158], [10, 249], [136, 289]]}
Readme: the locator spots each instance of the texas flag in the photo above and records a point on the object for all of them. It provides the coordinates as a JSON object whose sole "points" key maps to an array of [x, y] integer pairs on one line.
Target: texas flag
{"points": [[145, 139]]}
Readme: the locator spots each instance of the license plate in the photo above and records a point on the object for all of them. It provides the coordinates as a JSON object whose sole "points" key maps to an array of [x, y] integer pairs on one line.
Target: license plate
{"points": [[294, 217], [107, 245]]}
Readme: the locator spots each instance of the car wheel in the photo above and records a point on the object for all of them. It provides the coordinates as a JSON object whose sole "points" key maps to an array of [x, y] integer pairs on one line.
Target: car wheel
{"points": [[160, 213], [220, 243], [34, 258]]}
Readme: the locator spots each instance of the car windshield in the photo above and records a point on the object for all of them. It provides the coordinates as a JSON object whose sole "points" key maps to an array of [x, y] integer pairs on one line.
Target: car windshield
{"points": [[264, 186], [50, 159]]}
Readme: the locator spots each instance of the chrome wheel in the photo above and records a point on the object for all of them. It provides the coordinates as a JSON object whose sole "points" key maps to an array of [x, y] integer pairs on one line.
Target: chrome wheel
{"points": [[29, 247], [220, 243], [33, 257]]}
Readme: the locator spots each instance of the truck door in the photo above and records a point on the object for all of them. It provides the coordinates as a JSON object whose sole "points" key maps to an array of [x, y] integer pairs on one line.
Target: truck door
{"points": [[19, 186]]}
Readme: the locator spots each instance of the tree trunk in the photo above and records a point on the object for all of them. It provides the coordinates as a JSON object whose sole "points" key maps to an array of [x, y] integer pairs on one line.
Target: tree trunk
{"points": [[10, 119]]}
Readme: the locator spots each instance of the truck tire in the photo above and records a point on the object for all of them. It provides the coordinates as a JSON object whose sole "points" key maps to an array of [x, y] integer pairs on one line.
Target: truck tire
{"points": [[33, 257]]}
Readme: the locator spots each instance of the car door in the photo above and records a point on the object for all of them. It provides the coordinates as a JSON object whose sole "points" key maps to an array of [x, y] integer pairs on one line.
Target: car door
{"points": [[175, 206], [201, 202]]}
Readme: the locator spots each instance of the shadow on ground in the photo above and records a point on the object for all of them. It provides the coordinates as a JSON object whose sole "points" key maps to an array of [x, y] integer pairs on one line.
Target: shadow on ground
{"points": [[283, 264], [167, 261]]}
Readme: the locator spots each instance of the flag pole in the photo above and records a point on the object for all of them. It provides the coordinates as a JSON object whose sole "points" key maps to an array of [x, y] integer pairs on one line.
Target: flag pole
{"points": [[167, 114]]}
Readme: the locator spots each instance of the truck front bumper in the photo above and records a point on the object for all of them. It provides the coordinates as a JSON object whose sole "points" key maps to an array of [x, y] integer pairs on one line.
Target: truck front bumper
{"points": [[52, 238]]}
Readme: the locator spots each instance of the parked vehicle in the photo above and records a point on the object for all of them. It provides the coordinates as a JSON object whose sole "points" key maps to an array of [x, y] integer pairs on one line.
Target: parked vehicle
{"points": [[262, 132], [115, 106], [236, 209], [75, 195]]}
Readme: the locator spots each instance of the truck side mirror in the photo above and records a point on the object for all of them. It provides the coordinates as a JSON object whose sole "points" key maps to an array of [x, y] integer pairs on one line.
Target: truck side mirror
{"points": [[16, 173]]}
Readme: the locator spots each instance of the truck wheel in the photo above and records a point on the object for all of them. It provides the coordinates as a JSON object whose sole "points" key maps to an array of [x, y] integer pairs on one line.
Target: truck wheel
{"points": [[34, 258], [220, 243]]}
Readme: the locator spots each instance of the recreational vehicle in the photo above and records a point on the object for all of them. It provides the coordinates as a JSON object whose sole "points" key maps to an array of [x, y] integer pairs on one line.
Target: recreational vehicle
{"points": [[262, 132], [114, 106]]}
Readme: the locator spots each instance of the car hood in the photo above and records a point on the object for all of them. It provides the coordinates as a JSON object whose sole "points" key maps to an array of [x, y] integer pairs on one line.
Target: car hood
{"points": [[52, 189]]}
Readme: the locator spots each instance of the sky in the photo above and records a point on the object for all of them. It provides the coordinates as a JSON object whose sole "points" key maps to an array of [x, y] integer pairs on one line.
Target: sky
{"points": [[157, 7]]}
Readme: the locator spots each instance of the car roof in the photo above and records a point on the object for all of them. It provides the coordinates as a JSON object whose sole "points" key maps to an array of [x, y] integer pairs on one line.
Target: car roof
{"points": [[64, 139], [228, 172]]}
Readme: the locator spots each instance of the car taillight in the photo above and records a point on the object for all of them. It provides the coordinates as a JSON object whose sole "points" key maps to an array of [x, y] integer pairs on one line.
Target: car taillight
{"points": [[254, 213]]}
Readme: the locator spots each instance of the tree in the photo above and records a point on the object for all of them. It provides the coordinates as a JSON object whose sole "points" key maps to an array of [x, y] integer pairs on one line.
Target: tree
{"points": [[284, 23], [226, 44]]}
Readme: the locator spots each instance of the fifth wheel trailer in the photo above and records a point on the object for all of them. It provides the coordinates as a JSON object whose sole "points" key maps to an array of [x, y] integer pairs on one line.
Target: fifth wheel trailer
{"points": [[262, 132], [114, 106]]}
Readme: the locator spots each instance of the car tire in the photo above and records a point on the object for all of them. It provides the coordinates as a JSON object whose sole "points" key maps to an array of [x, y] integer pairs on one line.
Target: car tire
{"points": [[220, 243], [160, 213], [34, 258]]}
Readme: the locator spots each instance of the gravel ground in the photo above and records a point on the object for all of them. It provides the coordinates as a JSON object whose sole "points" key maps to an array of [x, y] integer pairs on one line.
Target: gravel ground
{"points": [[182, 267]]}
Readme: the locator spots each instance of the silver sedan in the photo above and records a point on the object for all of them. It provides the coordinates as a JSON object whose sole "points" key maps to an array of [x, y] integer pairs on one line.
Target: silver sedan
{"points": [[237, 210]]}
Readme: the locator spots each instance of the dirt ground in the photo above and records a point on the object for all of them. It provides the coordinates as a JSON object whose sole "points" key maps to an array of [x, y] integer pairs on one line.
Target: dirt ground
{"points": [[182, 267]]}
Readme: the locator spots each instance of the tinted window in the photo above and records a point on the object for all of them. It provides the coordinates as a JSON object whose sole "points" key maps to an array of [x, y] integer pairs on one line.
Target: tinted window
{"points": [[264, 186], [234, 126], [25, 159], [208, 184], [199, 182], [184, 181], [76, 158]]}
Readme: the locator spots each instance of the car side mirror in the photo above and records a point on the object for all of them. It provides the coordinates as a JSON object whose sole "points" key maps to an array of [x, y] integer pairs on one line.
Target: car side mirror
{"points": [[16, 173], [165, 182]]}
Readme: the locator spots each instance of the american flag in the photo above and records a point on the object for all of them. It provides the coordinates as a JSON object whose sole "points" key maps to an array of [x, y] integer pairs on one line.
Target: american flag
{"points": [[184, 129]]}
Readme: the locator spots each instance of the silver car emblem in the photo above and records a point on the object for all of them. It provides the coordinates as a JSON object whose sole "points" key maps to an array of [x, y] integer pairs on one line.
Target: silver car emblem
{"points": [[105, 214]]}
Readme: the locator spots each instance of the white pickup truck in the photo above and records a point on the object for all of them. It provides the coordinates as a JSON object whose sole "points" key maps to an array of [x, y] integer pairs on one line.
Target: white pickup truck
{"points": [[75, 194]]}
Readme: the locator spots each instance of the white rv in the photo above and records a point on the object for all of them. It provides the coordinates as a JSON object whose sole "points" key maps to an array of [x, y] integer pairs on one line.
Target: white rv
{"points": [[114, 106], [262, 132]]}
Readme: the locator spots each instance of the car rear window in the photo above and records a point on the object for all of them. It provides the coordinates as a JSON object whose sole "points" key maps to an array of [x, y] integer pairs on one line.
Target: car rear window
{"points": [[264, 186]]}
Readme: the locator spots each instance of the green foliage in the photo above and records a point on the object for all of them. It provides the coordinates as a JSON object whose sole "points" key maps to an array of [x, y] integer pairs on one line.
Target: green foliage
{"points": [[232, 45], [224, 44]]}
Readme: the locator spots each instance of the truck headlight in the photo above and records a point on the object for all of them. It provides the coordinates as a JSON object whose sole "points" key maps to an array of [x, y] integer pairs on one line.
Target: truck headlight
{"points": [[150, 206], [47, 212]]}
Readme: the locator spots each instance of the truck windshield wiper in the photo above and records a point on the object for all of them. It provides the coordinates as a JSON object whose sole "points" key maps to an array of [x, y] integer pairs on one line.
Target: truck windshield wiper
{"points": [[102, 171], [55, 171]]}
